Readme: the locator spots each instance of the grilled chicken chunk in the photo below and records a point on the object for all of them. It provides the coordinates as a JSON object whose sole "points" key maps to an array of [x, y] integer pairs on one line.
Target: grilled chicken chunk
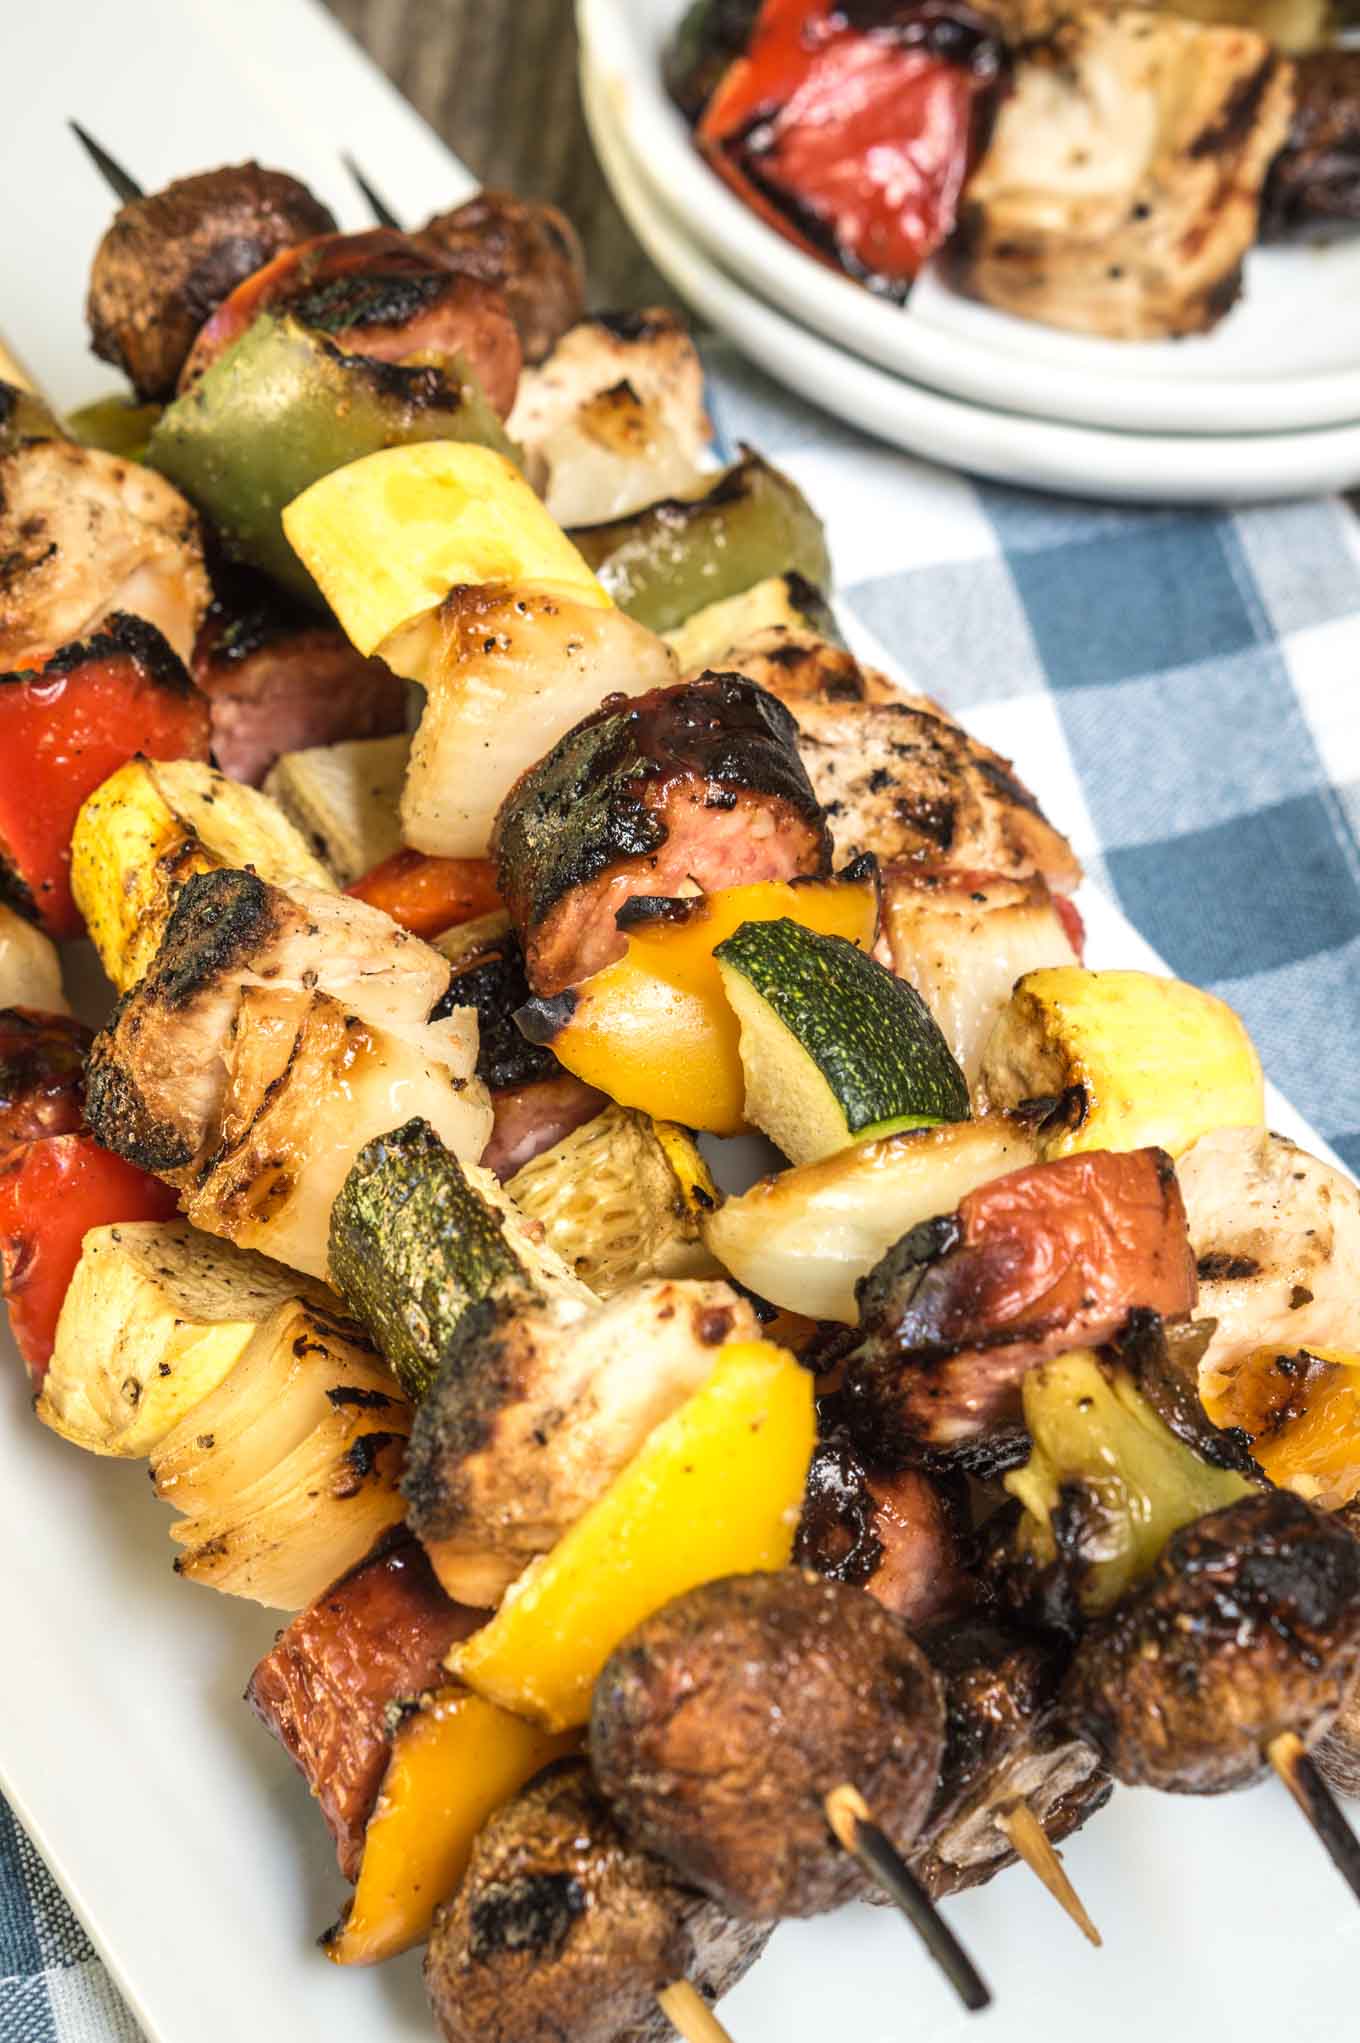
{"points": [[1004, 1743], [84, 534], [963, 939], [798, 665], [904, 781], [539, 1403], [1276, 1235], [561, 1929], [170, 258], [614, 419], [1054, 1256], [899, 1535], [279, 680], [692, 787], [526, 249], [721, 1724], [326, 1687], [1248, 1625], [273, 1036], [1314, 182], [1122, 186]]}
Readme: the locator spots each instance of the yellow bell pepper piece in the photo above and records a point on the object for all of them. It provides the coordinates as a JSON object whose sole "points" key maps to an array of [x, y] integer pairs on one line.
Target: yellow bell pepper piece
{"points": [[715, 1490], [454, 1761], [655, 1029], [1303, 1411], [1145, 1059], [387, 537]]}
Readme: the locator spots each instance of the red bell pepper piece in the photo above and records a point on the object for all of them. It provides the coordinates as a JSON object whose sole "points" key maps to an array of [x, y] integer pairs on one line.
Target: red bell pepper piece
{"points": [[42, 1076], [63, 731], [427, 895], [52, 1192], [852, 129]]}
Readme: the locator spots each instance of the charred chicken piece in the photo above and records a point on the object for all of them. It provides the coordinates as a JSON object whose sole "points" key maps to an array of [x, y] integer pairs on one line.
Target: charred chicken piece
{"points": [[1054, 1256], [527, 250], [1004, 1743], [326, 1687], [901, 1536], [536, 1102], [800, 666], [42, 1075], [170, 258], [562, 1929], [1314, 182], [278, 680], [902, 780], [84, 535], [688, 788], [379, 294], [1248, 1626], [722, 1723], [1122, 186]]}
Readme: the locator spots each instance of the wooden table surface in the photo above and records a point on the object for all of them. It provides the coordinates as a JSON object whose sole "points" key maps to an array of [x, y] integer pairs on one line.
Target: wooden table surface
{"points": [[497, 79]]}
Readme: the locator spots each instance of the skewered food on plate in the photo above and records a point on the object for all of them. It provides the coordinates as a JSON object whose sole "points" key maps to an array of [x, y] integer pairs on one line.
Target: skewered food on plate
{"points": [[42, 1056], [343, 798], [782, 635], [526, 250], [30, 970], [1314, 182], [1052, 1257], [562, 1928], [170, 258]]}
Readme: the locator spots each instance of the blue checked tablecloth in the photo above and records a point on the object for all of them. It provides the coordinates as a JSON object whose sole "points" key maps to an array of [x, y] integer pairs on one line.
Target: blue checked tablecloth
{"points": [[1180, 689]]}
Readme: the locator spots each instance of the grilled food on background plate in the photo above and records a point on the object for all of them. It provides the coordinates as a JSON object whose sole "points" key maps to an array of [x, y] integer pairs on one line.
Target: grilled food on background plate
{"points": [[1103, 168], [658, 1563]]}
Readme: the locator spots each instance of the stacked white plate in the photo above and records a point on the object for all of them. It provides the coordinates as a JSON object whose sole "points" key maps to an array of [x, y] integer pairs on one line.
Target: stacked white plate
{"points": [[1267, 405]]}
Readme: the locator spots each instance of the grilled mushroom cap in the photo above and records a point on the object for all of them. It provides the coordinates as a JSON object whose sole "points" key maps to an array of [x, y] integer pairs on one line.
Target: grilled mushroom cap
{"points": [[1248, 1626], [561, 1929], [169, 260], [721, 1724]]}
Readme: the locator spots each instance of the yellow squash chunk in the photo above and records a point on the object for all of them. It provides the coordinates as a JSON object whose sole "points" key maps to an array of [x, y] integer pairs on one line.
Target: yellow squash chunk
{"points": [[148, 829], [454, 1761], [156, 1315], [715, 1490], [387, 537], [1128, 1058], [655, 1030]]}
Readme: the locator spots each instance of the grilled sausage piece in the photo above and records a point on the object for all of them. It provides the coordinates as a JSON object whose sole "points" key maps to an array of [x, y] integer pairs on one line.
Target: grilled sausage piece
{"points": [[561, 1929], [1249, 1625], [1315, 179], [169, 260], [900, 1536], [1338, 1754], [377, 1636], [721, 1724], [42, 1075], [1054, 1256], [1004, 1742], [528, 250], [278, 681], [695, 785]]}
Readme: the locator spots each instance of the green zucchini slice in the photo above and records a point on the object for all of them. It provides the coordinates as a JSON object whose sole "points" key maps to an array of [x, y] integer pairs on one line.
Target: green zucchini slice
{"points": [[835, 1048]]}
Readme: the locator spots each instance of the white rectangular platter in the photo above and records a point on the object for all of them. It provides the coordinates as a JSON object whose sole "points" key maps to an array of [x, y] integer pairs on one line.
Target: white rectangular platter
{"points": [[176, 1825]]}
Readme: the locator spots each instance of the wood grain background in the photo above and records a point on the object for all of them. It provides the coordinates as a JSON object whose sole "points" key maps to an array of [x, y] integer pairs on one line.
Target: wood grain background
{"points": [[497, 79]]}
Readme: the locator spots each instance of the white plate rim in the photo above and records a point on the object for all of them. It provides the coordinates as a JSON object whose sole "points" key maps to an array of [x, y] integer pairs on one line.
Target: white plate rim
{"points": [[892, 337], [1003, 446]]}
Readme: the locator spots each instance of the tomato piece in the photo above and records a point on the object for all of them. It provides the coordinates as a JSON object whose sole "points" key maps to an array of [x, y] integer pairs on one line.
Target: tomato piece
{"points": [[854, 138], [63, 731], [52, 1192], [427, 895], [1070, 917], [42, 1075]]}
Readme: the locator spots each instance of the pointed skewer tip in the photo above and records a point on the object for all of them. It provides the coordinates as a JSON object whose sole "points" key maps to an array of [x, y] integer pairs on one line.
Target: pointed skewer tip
{"points": [[1291, 1760], [377, 205], [1026, 1835], [123, 187], [854, 1829], [690, 2015]]}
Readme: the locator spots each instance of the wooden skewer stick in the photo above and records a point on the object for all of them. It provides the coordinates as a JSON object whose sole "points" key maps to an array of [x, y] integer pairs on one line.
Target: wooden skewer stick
{"points": [[378, 205], [115, 177], [1289, 1756], [690, 2014], [1026, 1835], [855, 1831]]}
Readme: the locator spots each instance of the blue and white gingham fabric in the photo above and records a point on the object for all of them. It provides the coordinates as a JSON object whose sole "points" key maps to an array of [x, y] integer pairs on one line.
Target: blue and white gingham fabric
{"points": [[1179, 688]]}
